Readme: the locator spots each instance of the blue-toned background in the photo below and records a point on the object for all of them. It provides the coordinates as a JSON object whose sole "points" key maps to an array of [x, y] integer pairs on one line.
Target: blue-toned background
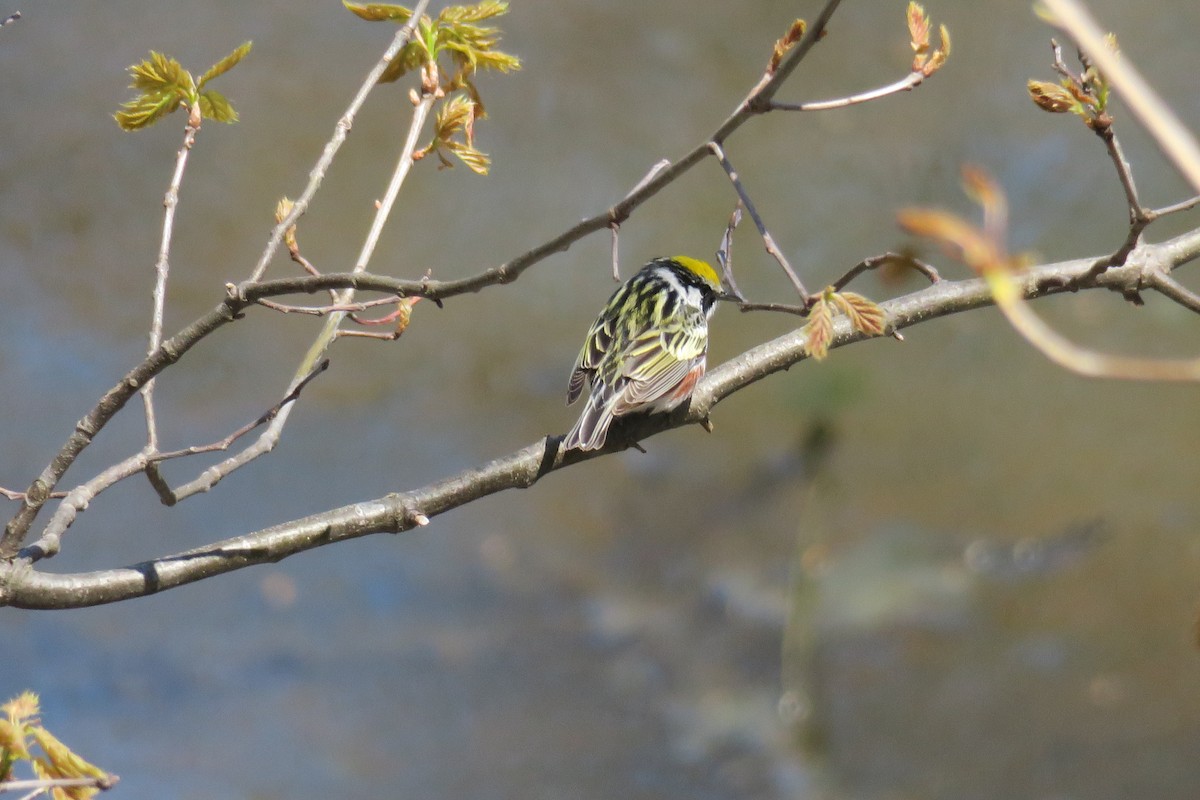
{"points": [[939, 569]]}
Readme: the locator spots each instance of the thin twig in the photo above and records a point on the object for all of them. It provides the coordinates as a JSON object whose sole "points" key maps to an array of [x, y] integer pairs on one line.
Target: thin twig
{"points": [[322, 311], [784, 308], [329, 331], [162, 266], [9, 494], [768, 240], [293, 248], [616, 258], [874, 262], [1172, 289], [1124, 171], [725, 252], [340, 130], [147, 461], [11, 18], [1174, 208], [348, 333], [263, 419], [906, 84], [1059, 65], [42, 784]]}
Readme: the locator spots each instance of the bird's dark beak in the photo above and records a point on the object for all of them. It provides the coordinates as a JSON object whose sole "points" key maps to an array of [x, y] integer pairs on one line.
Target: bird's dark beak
{"points": [[730, 297]]}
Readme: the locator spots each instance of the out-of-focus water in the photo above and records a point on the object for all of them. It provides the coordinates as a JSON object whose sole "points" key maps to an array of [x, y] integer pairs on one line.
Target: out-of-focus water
{"points": [[936, 569]]}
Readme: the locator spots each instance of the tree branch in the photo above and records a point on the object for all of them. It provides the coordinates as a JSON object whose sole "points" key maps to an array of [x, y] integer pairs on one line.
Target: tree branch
{"points": [[757, 101], [22, 586]]}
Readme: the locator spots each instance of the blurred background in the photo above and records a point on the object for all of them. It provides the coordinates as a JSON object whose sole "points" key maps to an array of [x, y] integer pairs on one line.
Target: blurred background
{"points": [[937, 569]]}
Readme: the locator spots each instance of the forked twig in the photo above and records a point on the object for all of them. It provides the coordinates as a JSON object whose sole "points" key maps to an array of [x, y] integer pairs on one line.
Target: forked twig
{"points": [[145, 461], [768, 240], [166, 494]]}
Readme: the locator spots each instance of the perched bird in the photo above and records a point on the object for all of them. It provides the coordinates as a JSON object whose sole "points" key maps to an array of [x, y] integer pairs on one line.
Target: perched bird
{"points": [[646, 351]]}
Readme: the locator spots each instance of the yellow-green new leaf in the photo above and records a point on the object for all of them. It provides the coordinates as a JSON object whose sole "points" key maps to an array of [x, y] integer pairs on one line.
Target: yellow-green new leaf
{"points": [[12, 745], [476, 161], [161, 73], [496, 60], [214, 105], [480, 11], [162, 85], [147, 109], [379, 12], [454, 115], [61, 762], [225, 64]]}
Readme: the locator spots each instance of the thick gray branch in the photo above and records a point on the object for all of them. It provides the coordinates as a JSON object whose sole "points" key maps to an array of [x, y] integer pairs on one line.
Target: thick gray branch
{"points": [[22, 586]]}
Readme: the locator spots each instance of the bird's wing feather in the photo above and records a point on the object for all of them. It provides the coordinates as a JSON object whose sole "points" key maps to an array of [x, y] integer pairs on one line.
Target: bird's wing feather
{"points": [[657, 363], [599, 339]]}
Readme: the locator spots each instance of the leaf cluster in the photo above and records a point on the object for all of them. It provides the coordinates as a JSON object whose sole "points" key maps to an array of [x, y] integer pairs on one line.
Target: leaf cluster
{"points": [[1084, 94], [864, 316], [163, 85], [926, 60], [22, 737], [455, 36]]}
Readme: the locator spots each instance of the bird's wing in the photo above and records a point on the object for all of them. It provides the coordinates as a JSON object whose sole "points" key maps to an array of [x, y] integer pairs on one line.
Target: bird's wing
{"points": [[658, 362], [599, 339]]}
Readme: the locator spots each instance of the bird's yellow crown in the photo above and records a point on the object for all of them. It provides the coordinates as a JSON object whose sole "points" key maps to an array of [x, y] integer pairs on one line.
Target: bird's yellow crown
{"points": [[700, 268]]}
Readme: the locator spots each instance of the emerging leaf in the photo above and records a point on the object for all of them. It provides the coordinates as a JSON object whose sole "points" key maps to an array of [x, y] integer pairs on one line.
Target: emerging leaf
{"points": [[404, 313], [918, 33], [160, 73], [480, 11], [147, 109], [12, 745], [225, 64], [470, 47], [819, 330], [938, 59], [163, 85], [456, 114], [214, 105], [864, 315], [918, 28], [282, 209], [22, 709], [476, 161], [379, 12], [785, 43], [61, 762], [1052, 97]]}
